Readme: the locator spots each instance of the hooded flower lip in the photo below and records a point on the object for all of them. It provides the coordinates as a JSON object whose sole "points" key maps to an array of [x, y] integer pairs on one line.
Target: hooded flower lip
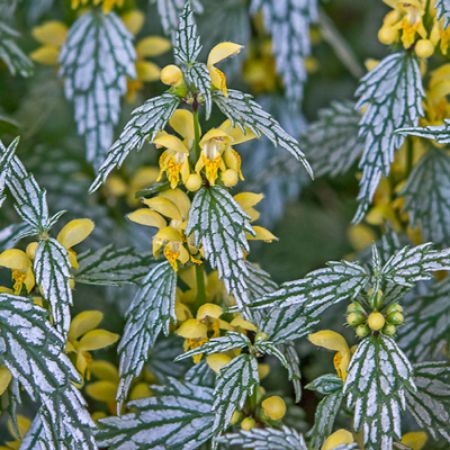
{"points": [[22, 269], [51, 35]]}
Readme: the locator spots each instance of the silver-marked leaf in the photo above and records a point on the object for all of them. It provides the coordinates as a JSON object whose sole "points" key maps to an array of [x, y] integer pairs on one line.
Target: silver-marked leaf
{"points": [[34, 353], [145, 122], [109, 266], [235, 383], [326, 384], [269, 348], [179, 417], [259, 281], [198, 78], [427, 197], [10, 400], [96, 59], [201, 375], [288, 22], [392, 95], [243, 111], [52, 270], [220, 226], [378, 376], [324, 417], [430, 404], [293, 368], [440, 133], [187, 45], [15, 59], [284, 438], [161, 359], [443, 11], [149, 314], [229, 341], [6, 155], [332, 144], [34, 439]]}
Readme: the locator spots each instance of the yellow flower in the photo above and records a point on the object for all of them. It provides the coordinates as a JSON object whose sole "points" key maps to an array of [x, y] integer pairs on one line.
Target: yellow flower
{"points": [[21, 267], [360, 236], [23, 424], [437, 105], [219, 53], [415, 440], [5, 379], [51, 35], [107, 5], [84, 337], [338, 438], [334, 341]]}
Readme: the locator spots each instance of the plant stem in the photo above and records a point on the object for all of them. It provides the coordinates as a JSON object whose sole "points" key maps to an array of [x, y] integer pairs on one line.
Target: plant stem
{"points": [[196, 134], [409, 156], [201, 290]]}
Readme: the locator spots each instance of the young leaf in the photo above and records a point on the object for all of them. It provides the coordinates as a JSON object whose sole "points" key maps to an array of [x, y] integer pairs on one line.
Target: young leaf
{"points": [[440, 133], [179, 417], [6, 154], [187, 45], [10, 53], [427, 197], [443, 11], [219, 225], [52, 270], [109, 266], [235, 382], [34, 353], [288, 22], [34, 439], [243, 111], [332, 144], [96, 59], [148, 315], [430, 404], [266, 439], [392, 94], [326, 384], [269, 348], [378, 376], [146, 121], [198, 78], [293, 368]]}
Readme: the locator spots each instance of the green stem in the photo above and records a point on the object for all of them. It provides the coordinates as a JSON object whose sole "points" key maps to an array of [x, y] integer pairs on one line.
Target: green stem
{"points": [[201, 290], [409, 156], [196, 133]]}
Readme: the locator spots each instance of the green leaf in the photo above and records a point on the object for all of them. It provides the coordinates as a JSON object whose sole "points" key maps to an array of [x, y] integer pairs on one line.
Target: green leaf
{"points": [[146, 121], [235, 383], [269, 348], [149, 314], [259, 281], [326, 384], [440, 133], [6, 155], [427, 196], [288, 22], [34, 353], [266, 439], [443, 11], [109, 266], [52, 271], [198, 78], [219, 226], [378, 376], [293, 368], [430, 404], [161, 359], [96, 59], [11, 54], [243, 111], [179, 417], [187, 45], [34, 439], [332, 144], [392, 94]]}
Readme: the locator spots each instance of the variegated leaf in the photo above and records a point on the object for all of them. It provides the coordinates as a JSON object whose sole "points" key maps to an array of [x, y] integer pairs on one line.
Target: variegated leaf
{"points": [[96, 59], [52, 271], [187, 44], [243, 111], [161, 359], [326, 384], [146, 121], [109, 266], [268, 438], [440, 133], [15, 59], [34, 439], [198, 78], [288, 22], [220, 226], [180, 417], [332, 144], [269, 348], [6, 154], [235, 383], [392, 95], [259, 281], [148, 315], [430, 404], [34, 352], [443, 11], [293, 368], [427, 197], [201, 375], [378, 376]]}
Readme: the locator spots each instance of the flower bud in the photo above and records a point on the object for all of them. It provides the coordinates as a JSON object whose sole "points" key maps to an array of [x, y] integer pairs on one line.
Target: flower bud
{"points": [[235, 418], [230, 178], [171, 75], [393, 308], [396, 318], [376, 299], [248, 423], [376, 321], [387, 35], [194, 182], [389, 329], [355, 307], [274, 407], [424, 48], [362, 331], [355, 318]]}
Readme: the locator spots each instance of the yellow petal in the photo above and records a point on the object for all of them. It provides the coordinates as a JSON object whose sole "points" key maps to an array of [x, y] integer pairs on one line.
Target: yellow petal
{"points": [[239, 322], [5, 379], [179, 199], [143, 177], [104, 370], [215, 134], [52, 33], [209, 310], [360, 236], [167, 234], [171, 142], [164, 206], [182, 121], [23, 424], [45, 55], [218, 79], [248, 199], [415, 440], [31, 249], [147, 217], [339, 437], [216, 361], [102, 391], [192, 329], [152, 46], [147, 71], [133, 21], [74, 232], [238, 136], [97, 339], [83, 322], [15, 259], [262, 234], [29, 280], [141, 390], [221, 51]]}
